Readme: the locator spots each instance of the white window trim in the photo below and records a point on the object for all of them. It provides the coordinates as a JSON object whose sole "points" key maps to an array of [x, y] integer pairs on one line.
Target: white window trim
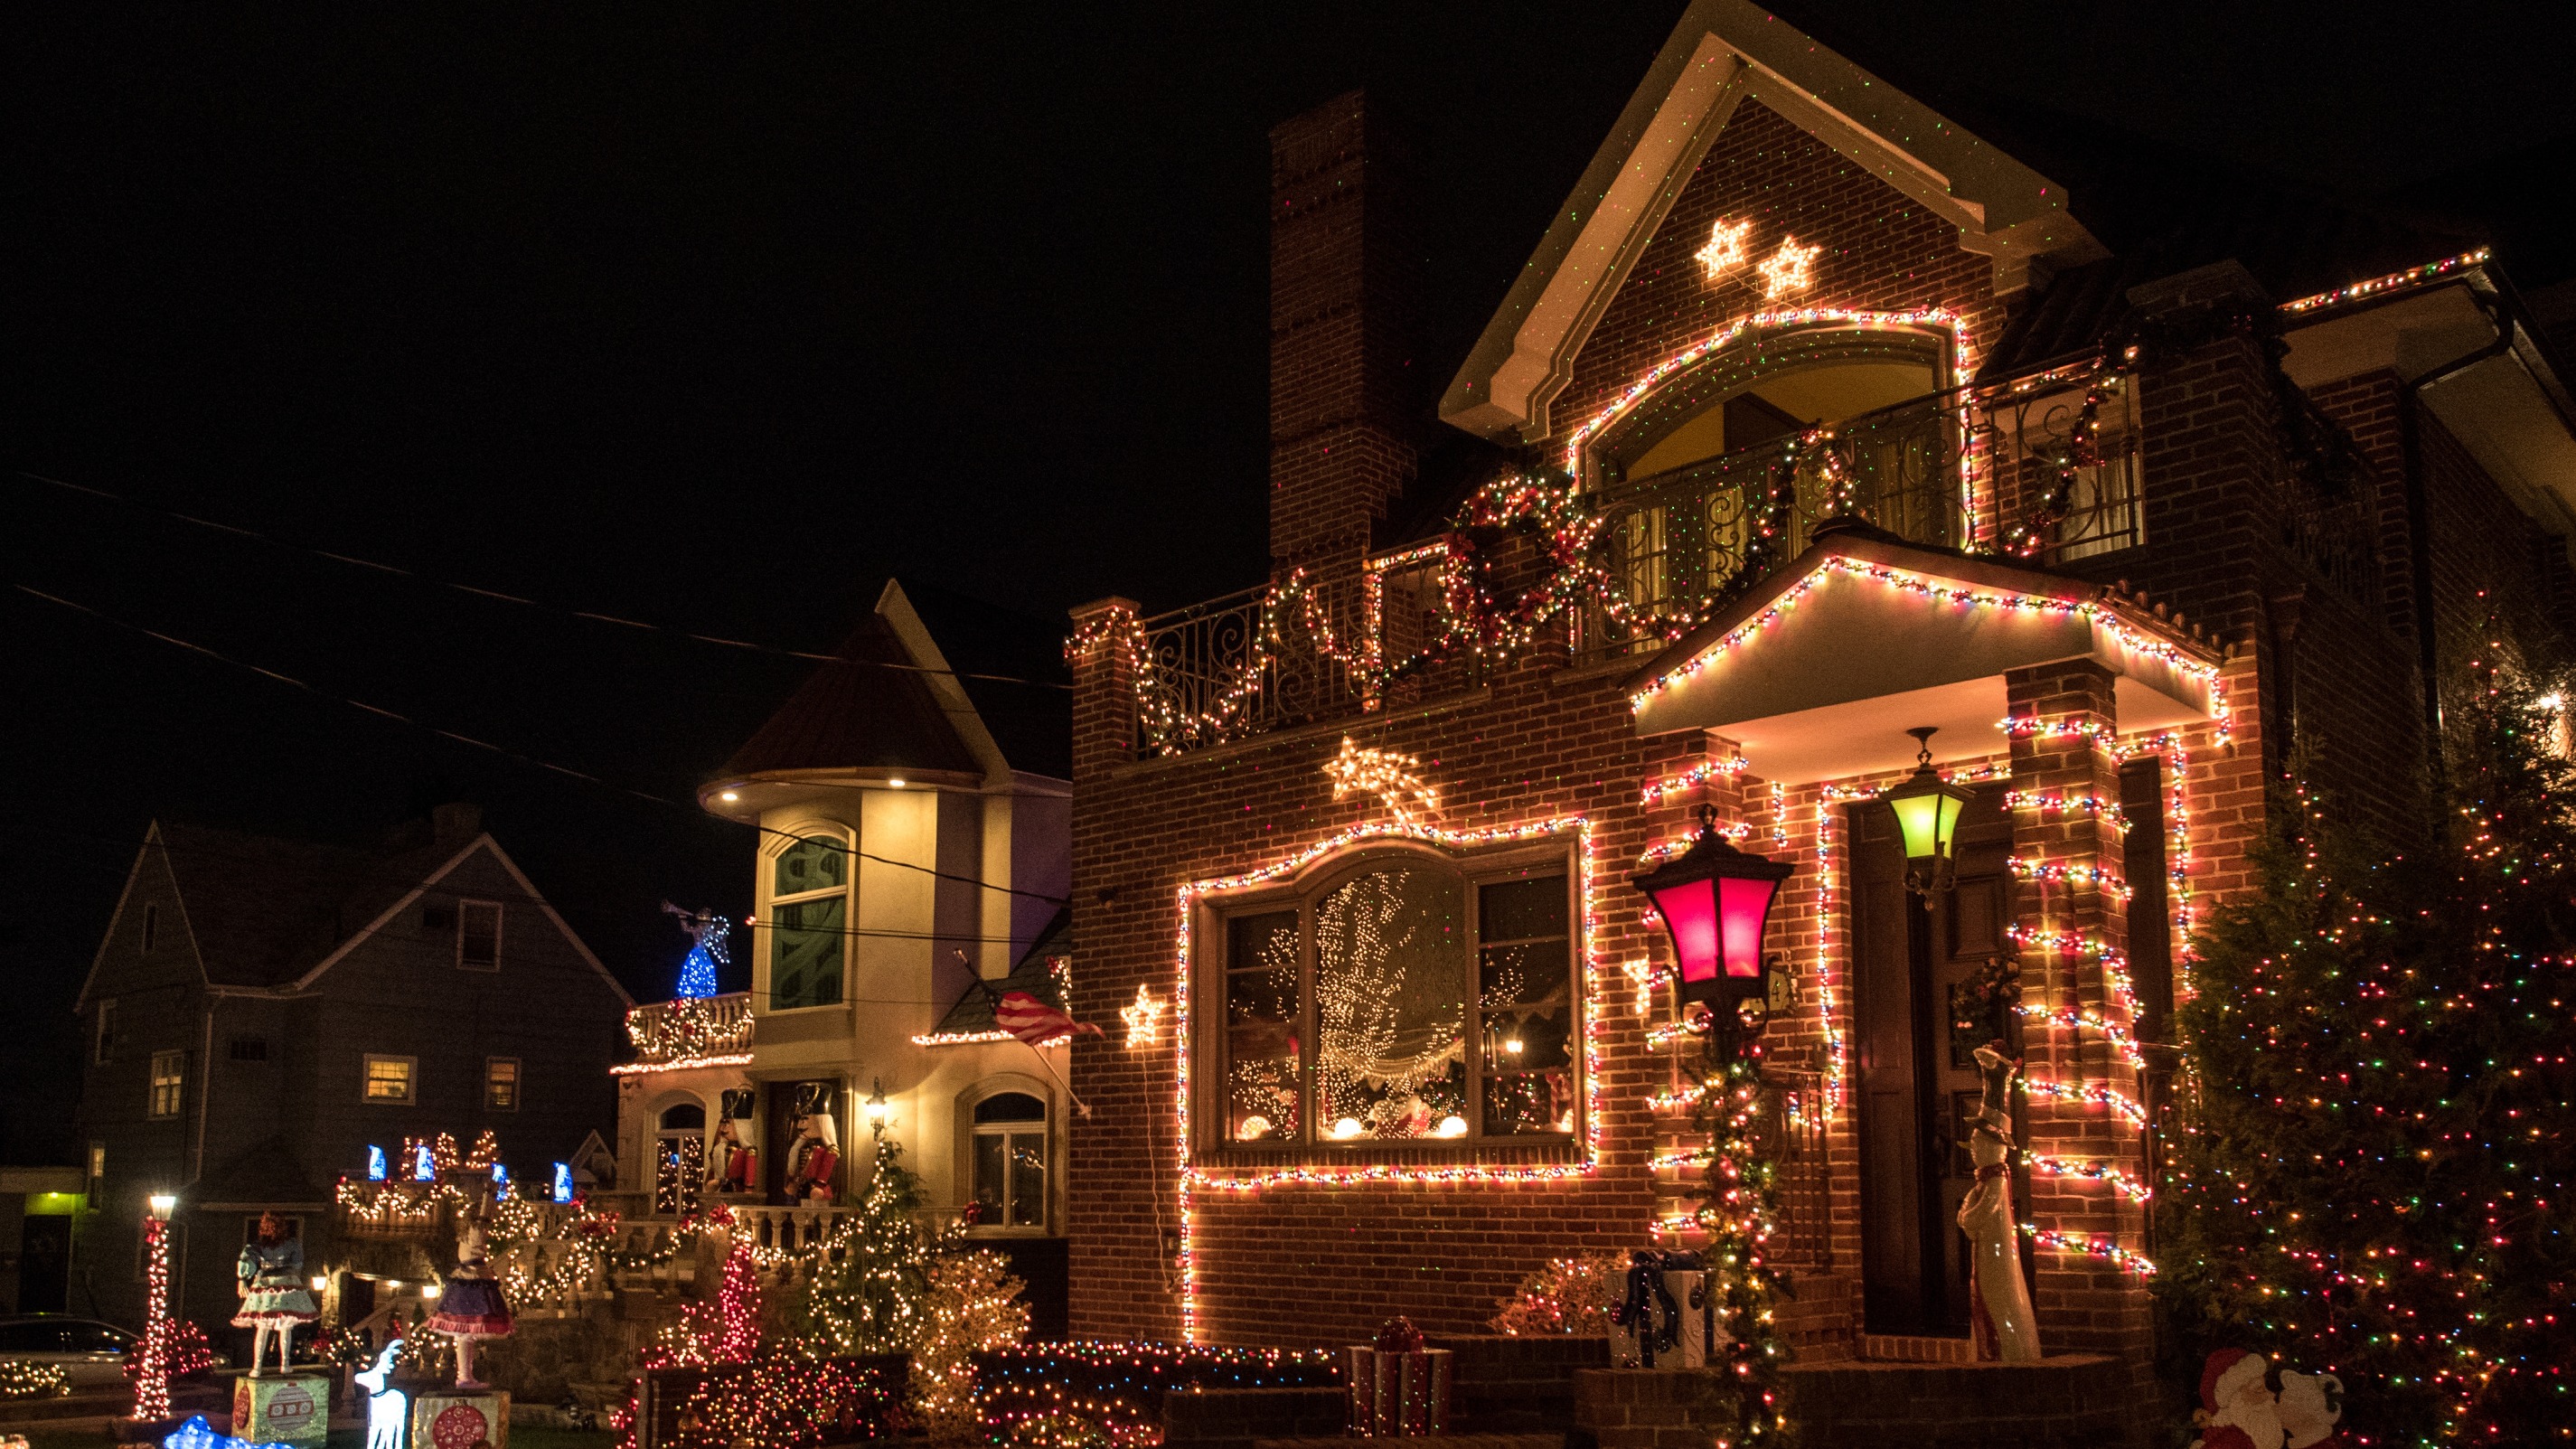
{"points": [[765, 938], [1300, 893], [518, 1083], [968, 1130], [464, 911], [366, 1079], [153, 1082]]}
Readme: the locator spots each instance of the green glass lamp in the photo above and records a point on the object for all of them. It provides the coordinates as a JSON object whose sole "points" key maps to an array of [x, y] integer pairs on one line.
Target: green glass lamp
{"points": [[1927, 816]]}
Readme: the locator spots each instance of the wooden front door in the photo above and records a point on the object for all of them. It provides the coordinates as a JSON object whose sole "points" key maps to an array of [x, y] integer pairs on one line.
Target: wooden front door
{"points": [[1916, 1080]]}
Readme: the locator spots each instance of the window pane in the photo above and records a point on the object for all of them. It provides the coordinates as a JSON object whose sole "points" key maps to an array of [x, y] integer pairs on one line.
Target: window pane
{"points": [[1028, 1179], [1390, 996], [388, 1080], [1010, 1107], [991, 1175], [501, 1084], [811, 865], [478, 941], [1523, 975], [1262, 1016], [1521, 1104], [1518, 910], [805, 953]]}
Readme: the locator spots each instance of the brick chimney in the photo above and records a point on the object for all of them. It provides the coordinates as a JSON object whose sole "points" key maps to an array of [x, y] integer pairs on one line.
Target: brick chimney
{"points": [[1340, 337]]}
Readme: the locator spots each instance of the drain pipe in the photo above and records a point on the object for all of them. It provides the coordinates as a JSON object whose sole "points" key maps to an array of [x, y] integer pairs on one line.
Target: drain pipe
{"points": [[2419, 542]]}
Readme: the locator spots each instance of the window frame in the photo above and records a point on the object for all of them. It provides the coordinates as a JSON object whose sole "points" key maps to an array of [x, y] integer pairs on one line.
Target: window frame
{"points": [[367, 1079], [176, 1060], [103, 1036], [465, 909], [1042, 1127], [765, 1000], [1550, 854], [151, 926], [518, 1084], [247, 1049]]}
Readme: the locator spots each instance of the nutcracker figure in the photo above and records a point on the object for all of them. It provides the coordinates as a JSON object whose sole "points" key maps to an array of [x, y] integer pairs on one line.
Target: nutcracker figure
{"points": [[816, 1155]]}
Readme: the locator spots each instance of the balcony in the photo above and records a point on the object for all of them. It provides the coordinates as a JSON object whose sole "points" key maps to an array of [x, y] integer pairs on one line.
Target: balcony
{"points": [[2049, 475], [689, 1032]]}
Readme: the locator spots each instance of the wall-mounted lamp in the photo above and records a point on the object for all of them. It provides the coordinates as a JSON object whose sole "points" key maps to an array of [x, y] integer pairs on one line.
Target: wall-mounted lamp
{"points": [[876, 1106]]}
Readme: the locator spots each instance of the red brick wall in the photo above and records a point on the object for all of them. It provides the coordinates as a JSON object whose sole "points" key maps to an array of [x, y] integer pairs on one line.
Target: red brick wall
{"points": [[1881, 252], [1340, 321]]}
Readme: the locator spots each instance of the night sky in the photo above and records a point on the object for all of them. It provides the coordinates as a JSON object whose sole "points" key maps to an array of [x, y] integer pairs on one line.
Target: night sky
{"points": [[715, 321]]}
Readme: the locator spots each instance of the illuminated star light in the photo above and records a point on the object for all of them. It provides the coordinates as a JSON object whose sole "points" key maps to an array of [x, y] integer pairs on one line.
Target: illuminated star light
{"points": [[1790, 269], [1385, 774], [1144, 1019], [1727, 243]]}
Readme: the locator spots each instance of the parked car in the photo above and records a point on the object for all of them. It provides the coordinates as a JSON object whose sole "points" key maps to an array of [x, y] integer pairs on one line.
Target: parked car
{"points": [[91, 1352]]}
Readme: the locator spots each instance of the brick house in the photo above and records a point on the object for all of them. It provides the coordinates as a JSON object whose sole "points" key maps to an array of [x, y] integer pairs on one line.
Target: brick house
{"points": [[1871, 423], [263, 1012]]}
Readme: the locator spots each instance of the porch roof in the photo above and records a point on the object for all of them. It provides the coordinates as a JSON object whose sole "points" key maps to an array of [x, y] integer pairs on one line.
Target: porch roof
{"points": [[1818, 673]]}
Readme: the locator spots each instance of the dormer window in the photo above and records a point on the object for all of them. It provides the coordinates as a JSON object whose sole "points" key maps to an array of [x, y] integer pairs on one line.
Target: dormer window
{"points": [[809, 921]]}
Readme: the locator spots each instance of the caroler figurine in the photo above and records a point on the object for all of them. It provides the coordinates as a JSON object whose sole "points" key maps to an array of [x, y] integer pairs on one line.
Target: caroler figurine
{"points": [[270, 1280], [470, 1306]]}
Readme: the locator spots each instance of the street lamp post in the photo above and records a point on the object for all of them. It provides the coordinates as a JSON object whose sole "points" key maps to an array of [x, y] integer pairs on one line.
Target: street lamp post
{"points": [[152, 1367]]}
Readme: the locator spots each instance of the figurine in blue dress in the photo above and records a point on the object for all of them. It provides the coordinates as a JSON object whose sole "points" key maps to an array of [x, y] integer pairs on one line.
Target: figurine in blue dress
{"points": [[270, 1279]]}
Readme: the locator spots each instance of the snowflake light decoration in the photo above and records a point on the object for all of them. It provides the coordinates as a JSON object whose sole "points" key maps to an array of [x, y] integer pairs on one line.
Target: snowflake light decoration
{"points": [[1727, 243], [1385, 774], [1790, 269]]}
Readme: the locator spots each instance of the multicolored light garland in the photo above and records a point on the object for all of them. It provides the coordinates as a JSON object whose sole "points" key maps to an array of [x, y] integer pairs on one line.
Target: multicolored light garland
{"points": [[1194, 1176], [2394, 281], [152, 1356]]}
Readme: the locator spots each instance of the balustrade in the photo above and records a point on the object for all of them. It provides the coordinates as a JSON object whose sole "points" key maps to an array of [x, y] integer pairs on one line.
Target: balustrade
{"points": [[691, 1028]]}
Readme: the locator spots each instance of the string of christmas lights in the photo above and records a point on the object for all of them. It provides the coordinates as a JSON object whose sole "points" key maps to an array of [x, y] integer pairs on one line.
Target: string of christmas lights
{"points": [[2393, 281], [1193, 1175], [2103, 1248], [1692, 778]]}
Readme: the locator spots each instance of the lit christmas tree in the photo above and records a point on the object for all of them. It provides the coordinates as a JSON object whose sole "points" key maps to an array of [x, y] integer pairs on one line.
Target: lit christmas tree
{"points": [[973, 1306], [868, 1297], [2372, 1176]]}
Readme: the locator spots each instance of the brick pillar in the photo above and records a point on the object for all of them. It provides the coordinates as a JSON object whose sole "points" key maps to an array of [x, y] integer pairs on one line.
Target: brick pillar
{"points": [[1672, 761], [1104, 686], [1339, 339], [2066, 783]]}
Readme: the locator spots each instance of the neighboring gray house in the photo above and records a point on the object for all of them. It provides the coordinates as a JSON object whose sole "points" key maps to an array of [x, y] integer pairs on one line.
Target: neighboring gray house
{"points": [[263, 1011]]}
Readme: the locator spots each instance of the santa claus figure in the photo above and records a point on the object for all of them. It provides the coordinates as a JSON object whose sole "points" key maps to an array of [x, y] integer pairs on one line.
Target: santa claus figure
{"points": [[2310, 1405], [2237, 1409]]}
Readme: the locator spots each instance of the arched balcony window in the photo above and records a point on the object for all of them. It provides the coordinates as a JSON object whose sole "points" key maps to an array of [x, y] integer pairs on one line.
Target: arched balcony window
{"points": [[808, 920], [679, 1158]]}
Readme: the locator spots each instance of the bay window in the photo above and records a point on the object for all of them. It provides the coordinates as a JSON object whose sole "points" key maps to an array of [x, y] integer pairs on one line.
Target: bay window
{"points": [[1403, 997]]}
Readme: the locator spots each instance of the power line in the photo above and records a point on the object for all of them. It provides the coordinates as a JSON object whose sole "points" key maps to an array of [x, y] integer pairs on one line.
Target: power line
{"points": [[502, 750], [505, 598]]}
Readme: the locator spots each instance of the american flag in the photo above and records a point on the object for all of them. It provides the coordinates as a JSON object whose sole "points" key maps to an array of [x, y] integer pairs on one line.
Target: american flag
{"points": [[1035, 1022]]}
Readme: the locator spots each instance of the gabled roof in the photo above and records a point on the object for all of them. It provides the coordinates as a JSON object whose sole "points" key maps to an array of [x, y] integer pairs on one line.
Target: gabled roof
{"points": [[1035, 974], [1818, 673], [269, 1175], [1722, 53], [263, 910], [267, 913]]}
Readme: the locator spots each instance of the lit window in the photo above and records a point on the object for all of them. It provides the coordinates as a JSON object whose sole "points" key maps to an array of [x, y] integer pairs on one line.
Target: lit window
{"points": [[1438, 1001], [679, 1159], [501, 1084], [389, 1079], [1011, 1161], [97, 1169], [169, 1075], [809, 909], [103, 1045], [478, 935]]}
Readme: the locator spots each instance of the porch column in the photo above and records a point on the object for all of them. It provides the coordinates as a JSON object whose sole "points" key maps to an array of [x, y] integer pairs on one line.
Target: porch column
{"points": [[2071, 919]]}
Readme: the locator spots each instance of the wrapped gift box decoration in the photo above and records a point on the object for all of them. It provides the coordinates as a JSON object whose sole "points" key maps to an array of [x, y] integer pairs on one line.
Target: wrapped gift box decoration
{"points": [[1396, 1392], [450, 1418], [284, 1409]]}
